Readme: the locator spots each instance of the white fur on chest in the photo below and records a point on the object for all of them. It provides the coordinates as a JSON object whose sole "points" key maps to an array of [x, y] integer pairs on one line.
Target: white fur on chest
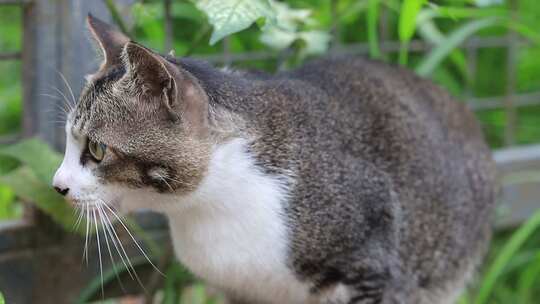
{"points": [[234, 234]]}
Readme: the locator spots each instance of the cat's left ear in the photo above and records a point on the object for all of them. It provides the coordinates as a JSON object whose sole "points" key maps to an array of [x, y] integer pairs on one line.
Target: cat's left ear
{"points": [[109, 40], [176, 88]]}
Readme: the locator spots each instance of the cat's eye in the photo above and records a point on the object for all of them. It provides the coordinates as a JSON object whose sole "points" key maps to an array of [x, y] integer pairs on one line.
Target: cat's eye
{"points": [[97, 150]]}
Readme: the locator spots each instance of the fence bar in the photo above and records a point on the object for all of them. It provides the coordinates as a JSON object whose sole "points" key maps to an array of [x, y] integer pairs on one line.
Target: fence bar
{"points": [[227, 51], [509, 108], [518, 199], [363, 48], [8, 139], [518, 100], [14, 2], [10, 56]]}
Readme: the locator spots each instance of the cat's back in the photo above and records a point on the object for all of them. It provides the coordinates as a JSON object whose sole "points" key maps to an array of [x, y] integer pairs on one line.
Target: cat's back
{"points": [[427, 144], [389, 116]]}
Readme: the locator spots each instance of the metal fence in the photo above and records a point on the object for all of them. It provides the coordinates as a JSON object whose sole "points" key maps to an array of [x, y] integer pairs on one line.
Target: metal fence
{"points": [[36, 255]]}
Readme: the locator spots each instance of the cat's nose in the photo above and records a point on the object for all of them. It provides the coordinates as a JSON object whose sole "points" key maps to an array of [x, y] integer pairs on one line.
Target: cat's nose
{"points": [[62, 191], [59, 182]]}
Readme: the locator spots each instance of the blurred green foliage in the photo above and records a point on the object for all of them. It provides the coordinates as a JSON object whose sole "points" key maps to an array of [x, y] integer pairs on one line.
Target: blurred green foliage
{"points": [[296, 30], [10, 80]]}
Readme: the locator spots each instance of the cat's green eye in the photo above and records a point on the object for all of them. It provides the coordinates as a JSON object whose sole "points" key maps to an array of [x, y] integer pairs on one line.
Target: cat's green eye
{"points": [[97, 150]]}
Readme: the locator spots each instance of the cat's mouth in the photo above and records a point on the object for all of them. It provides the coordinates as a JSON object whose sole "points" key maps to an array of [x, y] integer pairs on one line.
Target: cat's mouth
{"points": [[99, 212], [96, 204]]}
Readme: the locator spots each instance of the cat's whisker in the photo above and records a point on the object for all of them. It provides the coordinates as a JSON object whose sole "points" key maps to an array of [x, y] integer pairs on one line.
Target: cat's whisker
{"points": [[79, 218], [133, 238], [65, 106], [67, 86], [172, 179], [60, 119], [65, 99], [133, 273], [113, 231], [116, 242], [165, 181], [62, 109], [85, 252], [99, 251], [104, 224]]}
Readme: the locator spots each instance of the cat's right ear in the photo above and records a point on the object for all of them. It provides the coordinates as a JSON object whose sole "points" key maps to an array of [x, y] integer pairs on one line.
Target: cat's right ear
{"points": [[110, 41]]}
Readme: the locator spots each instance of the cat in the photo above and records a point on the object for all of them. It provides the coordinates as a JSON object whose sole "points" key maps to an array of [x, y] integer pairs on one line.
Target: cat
{"points": [[346, 180]]}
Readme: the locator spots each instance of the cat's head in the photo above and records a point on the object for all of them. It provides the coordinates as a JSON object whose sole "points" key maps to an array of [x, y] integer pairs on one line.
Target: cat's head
{"points": [[139, 130]]}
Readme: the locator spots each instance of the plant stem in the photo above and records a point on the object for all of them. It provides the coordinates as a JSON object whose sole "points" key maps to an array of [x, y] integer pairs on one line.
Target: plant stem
{"points": [[404, 53], [508, 251]]}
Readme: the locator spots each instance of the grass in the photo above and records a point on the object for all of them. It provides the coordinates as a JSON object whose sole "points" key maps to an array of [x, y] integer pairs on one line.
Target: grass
{"points": [[512, 271]]}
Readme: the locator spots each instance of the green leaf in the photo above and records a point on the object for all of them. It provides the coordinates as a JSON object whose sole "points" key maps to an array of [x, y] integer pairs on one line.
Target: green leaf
{"points": [[316, 42], [436, 56], [527, 280], [37, 155], [195, 294], [525, 31], [407, 18], [7, 164], [231, 16], [9, 207], [2, 301], [429, 31], [30, 188], [108, 276], [295, 25], [407, 25], [503, 258], [372, 28]]}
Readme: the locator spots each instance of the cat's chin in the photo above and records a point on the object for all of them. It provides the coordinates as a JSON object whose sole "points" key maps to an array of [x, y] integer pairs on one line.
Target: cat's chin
{"points": [[136, 200]]}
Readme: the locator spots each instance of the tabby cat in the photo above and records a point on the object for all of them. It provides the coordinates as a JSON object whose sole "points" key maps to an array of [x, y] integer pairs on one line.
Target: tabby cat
{"points": [[344, 181]]}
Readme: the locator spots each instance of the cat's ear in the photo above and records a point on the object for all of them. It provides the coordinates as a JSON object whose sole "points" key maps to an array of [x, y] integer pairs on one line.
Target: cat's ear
{"points": [[177, 89], [154, 74], [110, 41]]}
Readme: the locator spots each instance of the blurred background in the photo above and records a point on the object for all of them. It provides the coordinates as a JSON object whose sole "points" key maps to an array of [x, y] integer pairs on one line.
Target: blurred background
{"points": [[485, 52]]}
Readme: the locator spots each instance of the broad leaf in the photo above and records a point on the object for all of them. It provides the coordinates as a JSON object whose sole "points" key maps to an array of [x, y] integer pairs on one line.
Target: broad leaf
{"points": [[294, 25], [30, 188], [407, 25], [316, 42], [37, 155], [231, 16], [7, 164], [428, 29], [407, 18], [435, 57]]}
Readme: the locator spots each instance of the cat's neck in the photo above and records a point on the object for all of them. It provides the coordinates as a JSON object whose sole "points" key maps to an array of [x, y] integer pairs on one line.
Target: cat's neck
{"points": [[233, 180], [233, 231]]}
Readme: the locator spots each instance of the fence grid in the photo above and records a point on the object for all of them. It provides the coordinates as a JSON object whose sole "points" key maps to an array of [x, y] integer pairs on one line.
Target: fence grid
{"points": [[52, 45]]}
